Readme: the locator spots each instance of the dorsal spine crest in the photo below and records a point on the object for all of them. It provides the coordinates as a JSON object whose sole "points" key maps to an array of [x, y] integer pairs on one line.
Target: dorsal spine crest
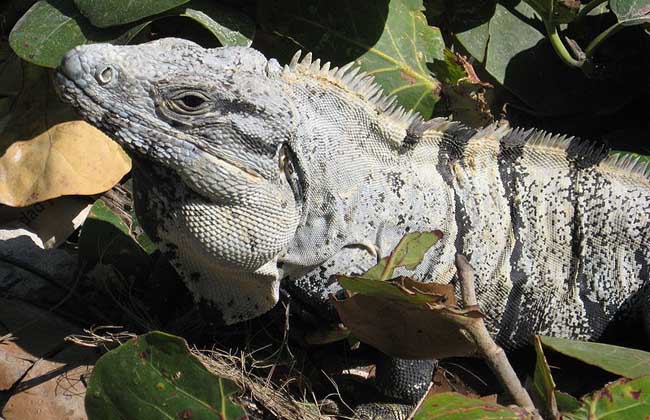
{"points": [[354, 80]]}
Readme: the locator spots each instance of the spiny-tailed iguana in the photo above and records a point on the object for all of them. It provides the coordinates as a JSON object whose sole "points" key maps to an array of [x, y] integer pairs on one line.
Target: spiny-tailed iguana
{"points": [[251, 173]]}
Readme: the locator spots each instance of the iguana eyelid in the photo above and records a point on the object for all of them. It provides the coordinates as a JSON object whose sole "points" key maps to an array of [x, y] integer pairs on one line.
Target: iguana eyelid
{"points": [[190, 102]]}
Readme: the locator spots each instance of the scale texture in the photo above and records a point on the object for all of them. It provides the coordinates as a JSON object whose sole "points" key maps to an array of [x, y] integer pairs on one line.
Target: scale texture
{"points": [[251, 174]]}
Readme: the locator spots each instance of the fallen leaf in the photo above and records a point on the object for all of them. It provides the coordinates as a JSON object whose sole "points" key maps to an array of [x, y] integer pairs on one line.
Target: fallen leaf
{"points": [[45, 152], [42, 373], [402, 329]]}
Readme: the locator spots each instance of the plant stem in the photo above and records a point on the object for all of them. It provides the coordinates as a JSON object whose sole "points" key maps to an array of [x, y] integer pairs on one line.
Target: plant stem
{"points": [[589, 7], [493, 354], [602, 37], [558, 46]]}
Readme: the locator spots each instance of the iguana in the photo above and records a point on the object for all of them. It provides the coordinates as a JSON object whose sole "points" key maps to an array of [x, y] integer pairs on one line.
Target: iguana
{"points": [[250, 173]]}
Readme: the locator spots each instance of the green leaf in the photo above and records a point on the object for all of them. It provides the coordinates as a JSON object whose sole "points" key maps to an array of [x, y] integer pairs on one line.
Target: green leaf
{"points": [[511, 45], [448, 71], [389, 40], [408, 253], [453, 406], [107, 238], [140, 236], [543, 383], [631, 12], [229, 26], [51, 28], [155, 377], [630, 363], [107, 13], [556, 12], [566, 402], [622, 400]]}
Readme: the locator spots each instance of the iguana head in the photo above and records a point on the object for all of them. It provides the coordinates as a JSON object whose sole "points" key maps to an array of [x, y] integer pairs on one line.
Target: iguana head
{"points": [[217, 118]]}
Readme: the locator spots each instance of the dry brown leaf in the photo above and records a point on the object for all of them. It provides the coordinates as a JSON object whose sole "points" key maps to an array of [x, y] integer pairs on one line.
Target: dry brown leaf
{"points": [[46, 152], [402, 329], [53, 389], [48, 371]]}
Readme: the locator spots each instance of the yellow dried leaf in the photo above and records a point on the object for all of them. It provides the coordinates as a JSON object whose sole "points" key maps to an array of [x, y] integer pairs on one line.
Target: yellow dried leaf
{"points": [[46, 152], [69, 158]]}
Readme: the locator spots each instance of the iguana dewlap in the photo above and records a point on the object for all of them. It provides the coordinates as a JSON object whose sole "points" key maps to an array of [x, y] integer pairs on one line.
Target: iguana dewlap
{"points": [[251, 173]]}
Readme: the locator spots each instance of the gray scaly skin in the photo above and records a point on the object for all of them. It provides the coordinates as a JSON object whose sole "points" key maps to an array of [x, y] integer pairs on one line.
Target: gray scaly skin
{"points": [[251, 173]]}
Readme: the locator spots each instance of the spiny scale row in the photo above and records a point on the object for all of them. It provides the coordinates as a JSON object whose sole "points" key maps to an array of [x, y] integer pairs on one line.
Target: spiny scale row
{"points": [[358, 81], [631, 164]]}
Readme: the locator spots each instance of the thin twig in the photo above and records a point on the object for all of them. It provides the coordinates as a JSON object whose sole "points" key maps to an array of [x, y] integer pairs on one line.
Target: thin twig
{"points": [[493, 354]]}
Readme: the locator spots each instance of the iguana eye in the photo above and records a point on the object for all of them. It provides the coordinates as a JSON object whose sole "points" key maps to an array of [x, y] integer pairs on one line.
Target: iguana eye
{"points": [[190, 103]]}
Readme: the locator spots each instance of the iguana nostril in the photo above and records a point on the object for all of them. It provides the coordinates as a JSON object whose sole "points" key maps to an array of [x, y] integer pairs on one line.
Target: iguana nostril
{"points": [[71, 66], [104, 74]]}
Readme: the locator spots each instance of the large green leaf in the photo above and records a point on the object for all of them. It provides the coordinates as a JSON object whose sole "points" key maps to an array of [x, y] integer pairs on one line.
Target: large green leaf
{"points": [[155, 377], [390, 40], [630, 363], [620, 400], [511, 45], [118, 12], [453, 406], [51, 28], [631, 12]]}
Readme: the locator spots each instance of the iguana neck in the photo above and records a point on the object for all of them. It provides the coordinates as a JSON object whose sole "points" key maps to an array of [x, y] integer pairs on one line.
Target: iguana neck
{"points": [[366, 186]]}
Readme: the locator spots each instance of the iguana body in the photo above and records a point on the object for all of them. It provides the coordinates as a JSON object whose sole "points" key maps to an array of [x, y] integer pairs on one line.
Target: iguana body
{"points": [[252, 173]]}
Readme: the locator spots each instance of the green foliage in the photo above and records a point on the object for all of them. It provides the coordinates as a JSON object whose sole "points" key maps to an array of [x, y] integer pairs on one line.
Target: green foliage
{"points": [[543, 383], [453, 406], [630, 363], [511, 44], [631, 12], [155, 377], [108, 238], [623, 400], [388, 39], [555, 11], [228, 26], [103, 14], [51, 28], [403, 317], [408, 253]]}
